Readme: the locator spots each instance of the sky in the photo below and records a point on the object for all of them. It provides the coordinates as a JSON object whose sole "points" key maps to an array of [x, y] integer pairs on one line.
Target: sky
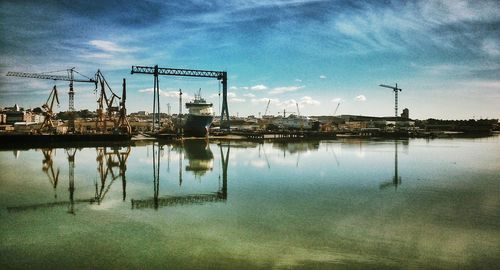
{"points": [[310, 54]]}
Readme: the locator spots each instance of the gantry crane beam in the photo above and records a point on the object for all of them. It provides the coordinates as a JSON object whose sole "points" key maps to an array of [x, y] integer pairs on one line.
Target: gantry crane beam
{"points": [[156, 71], [179, 72]]}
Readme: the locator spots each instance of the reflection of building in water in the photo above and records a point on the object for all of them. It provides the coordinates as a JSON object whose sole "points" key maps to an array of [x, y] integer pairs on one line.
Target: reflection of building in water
{"points": [[200, 157], [199, 154], [297, 147], [107, 160], [396, 179]]}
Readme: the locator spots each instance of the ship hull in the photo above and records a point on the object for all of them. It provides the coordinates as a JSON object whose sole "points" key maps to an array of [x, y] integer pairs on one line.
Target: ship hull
{"points": [[197, 125]]}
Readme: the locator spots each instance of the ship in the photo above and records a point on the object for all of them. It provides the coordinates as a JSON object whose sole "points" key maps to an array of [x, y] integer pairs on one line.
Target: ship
{"points": [[199, 118]]}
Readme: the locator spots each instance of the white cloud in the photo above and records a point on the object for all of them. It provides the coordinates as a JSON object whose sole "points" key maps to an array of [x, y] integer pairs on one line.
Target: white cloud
{"points": [[360, 98], [237, 100], [98, 55], [233, 88], [347, 28], [298, 80], [290, 103], [264, 101], [481, 84], [307, 100], [250, 95], [168, 94], [231, 94], [147, 90], [108, 46], [491, 47], [336, 100], [285, 89], [322, 76], [258, 163], [259, 87]]}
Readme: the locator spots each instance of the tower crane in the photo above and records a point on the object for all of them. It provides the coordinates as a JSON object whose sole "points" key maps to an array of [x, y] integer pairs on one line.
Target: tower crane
{"points": [[395, 89], [335, 112], [69, 77], [48, 112], [267, 107]]}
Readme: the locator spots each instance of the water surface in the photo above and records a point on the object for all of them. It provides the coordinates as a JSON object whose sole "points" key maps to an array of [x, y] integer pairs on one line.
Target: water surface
{"points": [[241, 205]]}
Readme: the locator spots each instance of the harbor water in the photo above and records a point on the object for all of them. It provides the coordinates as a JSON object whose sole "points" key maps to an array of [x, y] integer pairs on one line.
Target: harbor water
{"points": [[338, 204]]}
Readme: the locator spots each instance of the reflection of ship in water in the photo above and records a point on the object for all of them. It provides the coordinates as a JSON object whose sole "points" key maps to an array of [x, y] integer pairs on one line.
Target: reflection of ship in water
{"points": [[200, 157], [200, 160], [108, 160]]}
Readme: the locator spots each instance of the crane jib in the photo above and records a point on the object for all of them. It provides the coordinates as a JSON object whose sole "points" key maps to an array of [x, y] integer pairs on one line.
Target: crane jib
{"points": [[46, 76]]}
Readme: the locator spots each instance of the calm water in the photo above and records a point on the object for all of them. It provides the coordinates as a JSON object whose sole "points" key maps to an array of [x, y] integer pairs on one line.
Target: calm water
{"points": [[317, 205]]}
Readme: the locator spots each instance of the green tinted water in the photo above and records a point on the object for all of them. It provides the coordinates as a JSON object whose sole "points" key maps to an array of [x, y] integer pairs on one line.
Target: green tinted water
{"points": [[316, 205]]}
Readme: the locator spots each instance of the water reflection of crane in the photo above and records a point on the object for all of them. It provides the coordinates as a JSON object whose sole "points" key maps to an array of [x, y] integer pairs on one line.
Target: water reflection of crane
{"points": [[157, 201], [265, 155], [47, 164], [107, 162], [71, 178], [48, 168], [396, 179], [110, 159]]}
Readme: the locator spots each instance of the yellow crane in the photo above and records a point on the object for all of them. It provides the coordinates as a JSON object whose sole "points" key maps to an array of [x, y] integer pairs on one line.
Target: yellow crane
{"points": [[48, 112]]}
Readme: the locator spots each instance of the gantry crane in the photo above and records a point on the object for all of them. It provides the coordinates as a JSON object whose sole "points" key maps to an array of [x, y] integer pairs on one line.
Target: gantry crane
{"points": [[219, 75], [396, 90], [48, 112]]}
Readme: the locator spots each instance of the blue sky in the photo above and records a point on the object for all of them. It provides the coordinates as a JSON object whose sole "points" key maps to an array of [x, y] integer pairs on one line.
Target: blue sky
{"points": [[445, 55]]}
